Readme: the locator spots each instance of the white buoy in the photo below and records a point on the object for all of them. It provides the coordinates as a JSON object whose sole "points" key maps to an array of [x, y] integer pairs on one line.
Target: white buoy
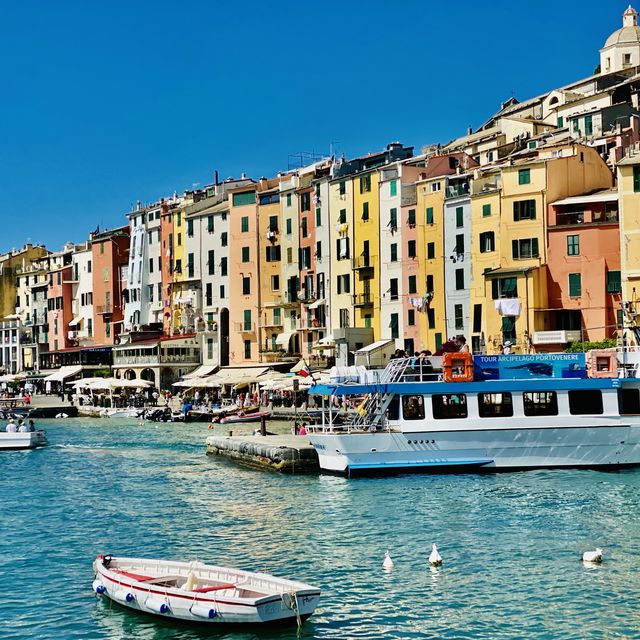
{"points": [[388, 562], [435, 559], [593, 557]]}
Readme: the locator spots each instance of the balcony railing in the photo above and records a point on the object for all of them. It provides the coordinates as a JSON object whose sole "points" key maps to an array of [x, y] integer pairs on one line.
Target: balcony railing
{"points": [[362, 300], [457, 190], [104, 309], [241, 327], [363, 262]]}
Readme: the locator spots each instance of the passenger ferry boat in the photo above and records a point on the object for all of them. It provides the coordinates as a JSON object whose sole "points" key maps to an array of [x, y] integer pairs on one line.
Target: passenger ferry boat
{"points": [[485, 413]]}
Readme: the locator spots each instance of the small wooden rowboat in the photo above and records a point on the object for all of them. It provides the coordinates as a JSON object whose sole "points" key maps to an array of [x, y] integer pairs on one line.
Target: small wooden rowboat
{"points": [[195, 591], [246, 417]]}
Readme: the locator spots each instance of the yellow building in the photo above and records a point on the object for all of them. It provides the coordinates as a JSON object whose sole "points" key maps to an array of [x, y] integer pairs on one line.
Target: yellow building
{"points": [[629, 212], [430, 258], [366, 252], [180, 269], [517, 285]]}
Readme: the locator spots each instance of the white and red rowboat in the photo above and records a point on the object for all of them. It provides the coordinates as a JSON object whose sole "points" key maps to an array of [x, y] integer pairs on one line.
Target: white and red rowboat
{"points": [[195, 591], [256, 416]]}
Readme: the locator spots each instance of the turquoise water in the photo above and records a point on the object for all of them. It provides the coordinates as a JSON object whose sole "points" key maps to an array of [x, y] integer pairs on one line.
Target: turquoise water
{"points": [[511, 543]]}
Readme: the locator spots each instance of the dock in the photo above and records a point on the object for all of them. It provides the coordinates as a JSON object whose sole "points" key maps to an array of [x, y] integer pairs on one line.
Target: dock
{"points": [[281, 453]]}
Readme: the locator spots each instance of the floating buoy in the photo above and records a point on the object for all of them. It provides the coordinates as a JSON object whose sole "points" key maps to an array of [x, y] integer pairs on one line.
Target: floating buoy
{"points": [[387, 562], [210, 426], [592, 557], [98, 587], [141, 423], [159, 606], [203, 611], [435, 559], [123, 596]]}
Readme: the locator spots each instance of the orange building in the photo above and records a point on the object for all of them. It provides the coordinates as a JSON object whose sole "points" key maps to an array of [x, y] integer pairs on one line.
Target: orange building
{"points": [[583, 267]]}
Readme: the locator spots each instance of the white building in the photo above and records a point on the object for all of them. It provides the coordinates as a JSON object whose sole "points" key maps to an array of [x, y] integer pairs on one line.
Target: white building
{"points": [[622, 48]]}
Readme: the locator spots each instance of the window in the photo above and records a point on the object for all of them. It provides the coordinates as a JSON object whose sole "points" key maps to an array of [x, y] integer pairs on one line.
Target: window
{"points": [[393, 219], [508, 328], [495, 405], [288, 199], [273, 223], [459, 279], [273, 253], [576, 125], [629, 401], [393, 325], [179, 239], [560, 122], [477, 318], [209, 294], [343, 188], [101, 248], [342, 248], [318, 217], [585, 402], [342, 216], [246, 286], [246, 325], [289, 255], [413, 287], [504, 288], [431, 250], [275, 283], [393, 288], [411, 248], [459, 248], [276, 317], [105, 274], [429, 215], [393, 188], [524, 176], [614, 285], [223, 268], [525, 248], [303, 227], [178, 266], [211, 262], [223, 239], [190, 265], [150, 265], [435, 186], [524, 210], [575, 285], [588, 125], [431, 320], [411, 219], [394, 252], [486, 210], [344, 317], [413, 407], [429, 284], [449, 405], [305, 201], [244, 224], [459, 319], [241, 199], [365, 184], [459, 217], [636, 179], [245, 254], [89, 266], [573, 245], [247, 349], [190, 228], [318, 250], [365, 210], [540, 403], [487, 242], [210, 224], [411, 317], [343, 283]]}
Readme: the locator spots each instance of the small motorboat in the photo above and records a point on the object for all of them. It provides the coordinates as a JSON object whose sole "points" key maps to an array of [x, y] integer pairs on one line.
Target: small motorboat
{"points": [[130, 412], [22, 440], [256, 416], [195, 591]]}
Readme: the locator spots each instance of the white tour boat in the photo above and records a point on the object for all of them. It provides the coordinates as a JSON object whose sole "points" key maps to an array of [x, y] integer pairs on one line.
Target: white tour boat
{"points": [[130, 412], [486, 413], [195, 591], [22, 440]]}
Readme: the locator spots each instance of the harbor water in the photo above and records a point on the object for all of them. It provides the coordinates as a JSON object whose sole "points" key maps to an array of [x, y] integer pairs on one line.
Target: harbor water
{"points": [[511, 542]]}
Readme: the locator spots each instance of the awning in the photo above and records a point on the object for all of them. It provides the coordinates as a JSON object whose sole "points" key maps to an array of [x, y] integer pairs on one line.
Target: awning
{"points": [[603, 196], [380, 344], [76, 321], [505, 271], [316, 304], [201, 372], [283, 339], [63, 373]]}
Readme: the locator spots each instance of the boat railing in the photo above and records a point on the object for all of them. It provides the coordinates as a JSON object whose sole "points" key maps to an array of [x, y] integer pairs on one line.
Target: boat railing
{"points": [[415, 369]]}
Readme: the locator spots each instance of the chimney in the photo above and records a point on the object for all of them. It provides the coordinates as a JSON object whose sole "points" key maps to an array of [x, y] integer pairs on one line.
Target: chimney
{"points": [[215, 178], [469, 131]]}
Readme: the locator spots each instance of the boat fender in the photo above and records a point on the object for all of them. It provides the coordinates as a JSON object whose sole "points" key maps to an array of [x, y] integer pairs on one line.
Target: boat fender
{"points": [[123, 596], [98, 587], [203, 611], [159, 606]]}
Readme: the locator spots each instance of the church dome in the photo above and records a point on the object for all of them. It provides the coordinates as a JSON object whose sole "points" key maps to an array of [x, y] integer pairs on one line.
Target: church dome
{"points": [[630, 32]]}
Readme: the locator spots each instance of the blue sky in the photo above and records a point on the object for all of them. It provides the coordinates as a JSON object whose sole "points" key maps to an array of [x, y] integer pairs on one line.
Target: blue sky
{"points": [[105, 103]]}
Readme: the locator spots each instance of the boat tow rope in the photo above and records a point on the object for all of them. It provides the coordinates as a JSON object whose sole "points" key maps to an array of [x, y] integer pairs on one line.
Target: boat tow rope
{"points": [[291, 602]]}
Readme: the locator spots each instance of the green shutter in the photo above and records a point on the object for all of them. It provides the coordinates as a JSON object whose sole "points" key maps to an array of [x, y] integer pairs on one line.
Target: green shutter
{"points": [[438, 340], [614, 284], [429, 215], [486, 210], [495, 289], [393, 188], [575, 285], [534, 248], [636, 179], [515, 249], [240, 199]]}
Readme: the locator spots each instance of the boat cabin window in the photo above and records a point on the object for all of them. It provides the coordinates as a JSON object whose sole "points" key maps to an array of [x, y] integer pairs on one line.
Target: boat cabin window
{"points": [[449, 405], [495, 405], [629, 401], [585, 402], [540, 403], [413, 407], [393, 410]]}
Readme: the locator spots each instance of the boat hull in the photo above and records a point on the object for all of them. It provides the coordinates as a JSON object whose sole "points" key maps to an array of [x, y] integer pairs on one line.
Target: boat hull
{"points": [[16, 441], [479, 450], [218, 606], [249, 417]]}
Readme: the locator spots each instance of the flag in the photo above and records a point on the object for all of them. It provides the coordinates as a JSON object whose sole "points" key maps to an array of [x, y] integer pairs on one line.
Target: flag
{"points": [[304, 372]]}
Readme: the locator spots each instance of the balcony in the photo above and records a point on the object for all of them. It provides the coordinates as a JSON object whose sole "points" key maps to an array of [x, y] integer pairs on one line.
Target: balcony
{"points": [[104, 309], [363, 262], [570, 218], [271, 324], [457, 190], [241, 327], [361, 300]]}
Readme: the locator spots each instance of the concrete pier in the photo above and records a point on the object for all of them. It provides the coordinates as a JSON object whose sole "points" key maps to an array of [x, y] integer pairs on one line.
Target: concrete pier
{"points": [[283, 453]]}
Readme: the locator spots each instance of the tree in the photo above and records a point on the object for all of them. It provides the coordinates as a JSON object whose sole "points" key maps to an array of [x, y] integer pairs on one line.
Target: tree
{"points": [[585, 345]]}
